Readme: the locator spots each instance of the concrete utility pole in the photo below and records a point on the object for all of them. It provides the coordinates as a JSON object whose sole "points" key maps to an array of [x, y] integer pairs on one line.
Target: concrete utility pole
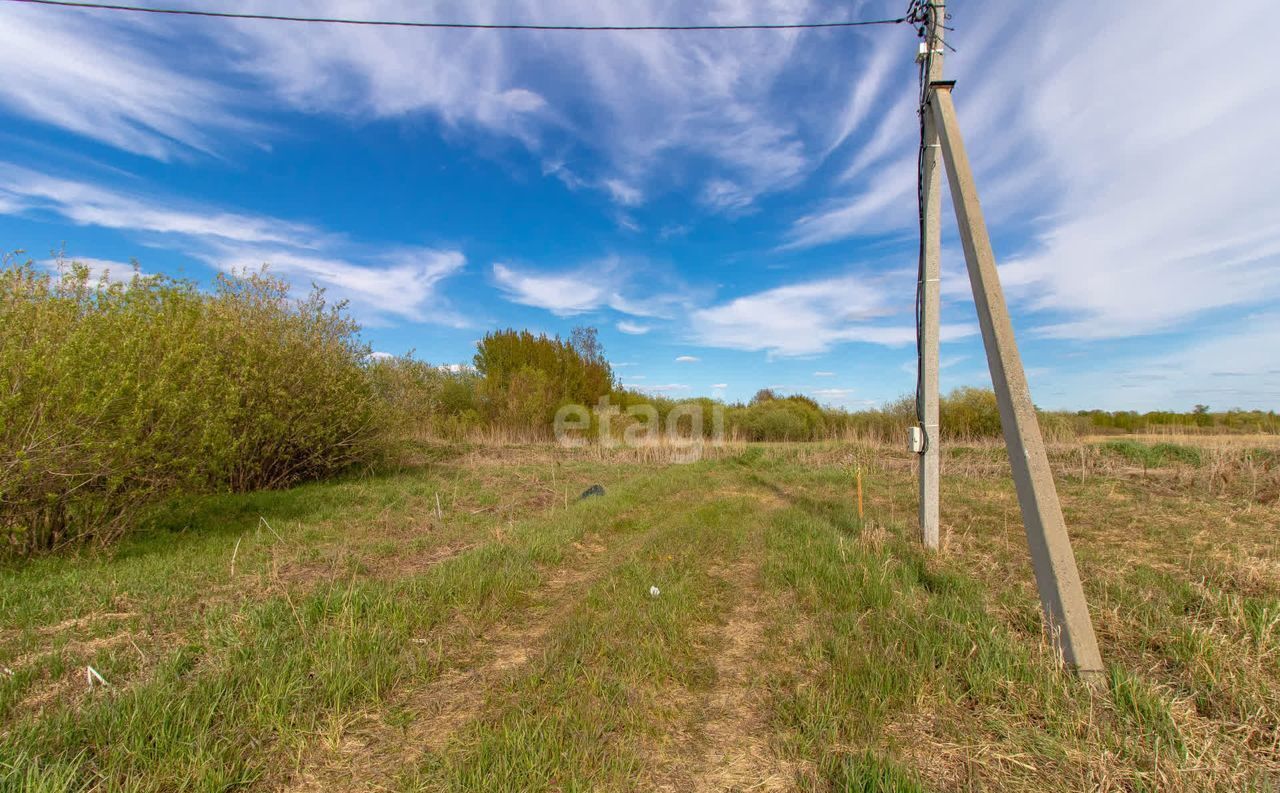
{"points": [[930, 274], [1061, 595]]}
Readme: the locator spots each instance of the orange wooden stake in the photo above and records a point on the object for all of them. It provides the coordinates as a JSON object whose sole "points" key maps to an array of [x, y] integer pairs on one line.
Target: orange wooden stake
{"points": [[859, 492]]}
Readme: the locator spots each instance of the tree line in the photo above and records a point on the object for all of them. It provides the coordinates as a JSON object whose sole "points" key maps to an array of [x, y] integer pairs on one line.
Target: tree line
{"points": [[114, 396]]}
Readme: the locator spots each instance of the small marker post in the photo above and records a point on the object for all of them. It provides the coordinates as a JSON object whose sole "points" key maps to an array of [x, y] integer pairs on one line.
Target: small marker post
{"points": [[859, 478]]}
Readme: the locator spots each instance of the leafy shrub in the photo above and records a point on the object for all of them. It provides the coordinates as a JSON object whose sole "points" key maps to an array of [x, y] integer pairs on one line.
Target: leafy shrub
{"points": [[425, 400], [789, 419], [969, 413], [113, 395], [295, 400]]}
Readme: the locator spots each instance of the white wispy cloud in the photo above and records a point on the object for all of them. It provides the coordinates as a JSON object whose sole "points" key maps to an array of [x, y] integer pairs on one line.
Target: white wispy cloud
{"points": [[866, 95], [563, 294], [400, 284], [824, 374], [633, 328], [1163, 210], [381, 282], [885, 201], [635, 105], [87, 204], [106, 78], [466, 78], [726, 195], [687, 359], [809, 318], [623, 193], [946, 362], [1146, 213], [1234, 366], [626, 286]]}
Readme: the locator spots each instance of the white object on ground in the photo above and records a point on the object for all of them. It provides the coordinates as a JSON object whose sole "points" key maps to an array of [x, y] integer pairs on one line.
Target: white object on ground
{"points": [[654, 592], [91, 674]]}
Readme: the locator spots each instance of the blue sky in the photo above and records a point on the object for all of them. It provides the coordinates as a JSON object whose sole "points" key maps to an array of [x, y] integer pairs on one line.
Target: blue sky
{"points": [[732, 210]]}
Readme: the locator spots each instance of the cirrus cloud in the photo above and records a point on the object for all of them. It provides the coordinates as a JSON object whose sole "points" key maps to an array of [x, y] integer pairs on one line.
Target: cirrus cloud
{"points": [[382, 282], [809, 318]]}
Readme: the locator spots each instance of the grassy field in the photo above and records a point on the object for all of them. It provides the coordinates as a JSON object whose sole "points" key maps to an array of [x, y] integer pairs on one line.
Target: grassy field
{"points": [[466, 624]]}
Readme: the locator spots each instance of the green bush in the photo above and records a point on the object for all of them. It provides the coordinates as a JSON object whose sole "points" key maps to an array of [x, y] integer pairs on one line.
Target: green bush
{"points": [[424, 400], [114, 395], [969, 413], [772, 419], [296, 400]]}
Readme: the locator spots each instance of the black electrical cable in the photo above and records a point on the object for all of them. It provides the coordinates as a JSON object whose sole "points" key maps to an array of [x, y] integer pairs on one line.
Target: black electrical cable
{"points": [[453, 25], [923, 14]]}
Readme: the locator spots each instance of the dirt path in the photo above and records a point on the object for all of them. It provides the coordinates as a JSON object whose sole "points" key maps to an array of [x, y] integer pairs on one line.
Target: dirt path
{"points": [[739, 754], [732, 732], [372, 752], [728, 725]]}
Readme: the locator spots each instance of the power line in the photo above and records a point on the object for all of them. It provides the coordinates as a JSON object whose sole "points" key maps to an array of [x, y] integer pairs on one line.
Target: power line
{"points": [[452, 25]]}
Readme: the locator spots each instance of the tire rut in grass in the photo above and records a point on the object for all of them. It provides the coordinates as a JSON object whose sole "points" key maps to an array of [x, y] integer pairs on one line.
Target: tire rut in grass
{"points": [[616, 700], [453, 699], [737, 753], [372, 749]]}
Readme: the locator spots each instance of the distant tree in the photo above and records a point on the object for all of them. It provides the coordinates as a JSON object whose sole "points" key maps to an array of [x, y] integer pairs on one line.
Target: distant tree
{"points": [[1201, 416], [764, 395], [525, 378], [586, 340], [808, 402]]}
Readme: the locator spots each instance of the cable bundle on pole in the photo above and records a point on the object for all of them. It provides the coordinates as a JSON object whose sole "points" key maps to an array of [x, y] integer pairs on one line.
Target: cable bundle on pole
{"points": [[921, 14]]}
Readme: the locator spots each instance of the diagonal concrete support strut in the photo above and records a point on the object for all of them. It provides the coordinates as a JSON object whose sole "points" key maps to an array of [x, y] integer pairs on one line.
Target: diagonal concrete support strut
{"points": [[1061, 594]]}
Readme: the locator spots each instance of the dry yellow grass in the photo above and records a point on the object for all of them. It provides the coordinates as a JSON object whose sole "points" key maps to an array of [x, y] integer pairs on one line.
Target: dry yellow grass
{"points": [[467, 624]]}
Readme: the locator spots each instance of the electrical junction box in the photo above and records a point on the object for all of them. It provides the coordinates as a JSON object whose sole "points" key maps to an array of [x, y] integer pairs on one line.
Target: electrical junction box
{"points": [[922, 54], [915, 440]]}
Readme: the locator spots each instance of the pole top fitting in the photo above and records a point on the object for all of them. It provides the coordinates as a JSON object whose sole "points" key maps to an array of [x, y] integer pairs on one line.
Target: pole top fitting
{"points": [[939, 85]]}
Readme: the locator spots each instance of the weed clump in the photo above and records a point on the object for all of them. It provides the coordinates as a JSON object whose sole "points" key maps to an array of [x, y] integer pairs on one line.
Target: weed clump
{"points": [[1157, 456]]}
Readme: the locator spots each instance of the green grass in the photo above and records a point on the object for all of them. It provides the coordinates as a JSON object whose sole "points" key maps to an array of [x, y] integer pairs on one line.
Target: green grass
{"points": [[867, 773], [1154, 455], [509, 641], [580, 715]]}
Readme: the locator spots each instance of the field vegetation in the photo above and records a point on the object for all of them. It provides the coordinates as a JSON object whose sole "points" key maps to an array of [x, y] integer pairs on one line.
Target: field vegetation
{"points": [[241, 552], [464, 623]]}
